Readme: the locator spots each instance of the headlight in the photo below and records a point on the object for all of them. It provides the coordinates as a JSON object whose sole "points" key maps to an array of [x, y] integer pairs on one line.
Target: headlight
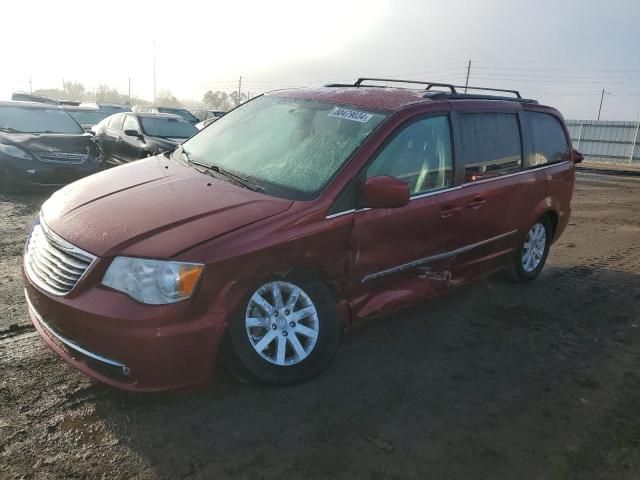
{"points": [[14, 151], [152, 281]]}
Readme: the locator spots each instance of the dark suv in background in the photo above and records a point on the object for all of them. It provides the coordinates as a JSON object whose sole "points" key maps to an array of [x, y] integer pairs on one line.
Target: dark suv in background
{"points": [[86, 116], [126, 137], [41, 145]]}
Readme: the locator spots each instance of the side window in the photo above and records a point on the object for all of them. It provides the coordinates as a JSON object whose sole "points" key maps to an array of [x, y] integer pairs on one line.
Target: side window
{"points": [[491, 144], [419, 154], [116, 122], [130, 123], [548, 140]]}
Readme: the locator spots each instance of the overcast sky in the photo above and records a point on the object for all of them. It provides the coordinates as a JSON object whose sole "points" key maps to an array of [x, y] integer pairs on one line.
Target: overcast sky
{"points": [[562, 52]]}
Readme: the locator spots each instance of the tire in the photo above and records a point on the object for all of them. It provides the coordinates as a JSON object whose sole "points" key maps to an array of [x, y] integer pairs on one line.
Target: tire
{"points": [[289, 344], [529, 261], [4, 181]]}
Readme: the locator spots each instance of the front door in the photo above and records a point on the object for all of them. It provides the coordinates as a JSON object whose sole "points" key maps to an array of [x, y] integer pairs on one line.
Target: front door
{"points": [[109, 139], [131, 146], [399, 255]]}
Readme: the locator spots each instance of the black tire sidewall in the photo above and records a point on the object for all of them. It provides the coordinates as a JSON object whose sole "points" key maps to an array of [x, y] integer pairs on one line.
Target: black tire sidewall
{"points": [[520, 272], [4, 180], [322, 354]]}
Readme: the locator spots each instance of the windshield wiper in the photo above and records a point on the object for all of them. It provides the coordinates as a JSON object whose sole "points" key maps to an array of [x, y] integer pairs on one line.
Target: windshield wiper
{"points": [[245, 182], [233, 176]]}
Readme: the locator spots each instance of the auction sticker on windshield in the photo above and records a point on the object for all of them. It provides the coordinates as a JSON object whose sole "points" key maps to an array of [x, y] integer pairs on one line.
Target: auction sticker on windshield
{"points": [[355, 115]]}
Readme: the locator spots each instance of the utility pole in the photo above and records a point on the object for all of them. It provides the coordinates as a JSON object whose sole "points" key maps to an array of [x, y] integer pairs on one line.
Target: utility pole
{"points": [[601, 99], [635, 139], [466, 84], [154, 72], [239, 89], [30, 86], [129, 90]]}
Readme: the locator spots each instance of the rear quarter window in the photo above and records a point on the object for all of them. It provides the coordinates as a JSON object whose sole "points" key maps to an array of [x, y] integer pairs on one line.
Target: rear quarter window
{"points": [[116, 122], [548, 143], [491, 144]]}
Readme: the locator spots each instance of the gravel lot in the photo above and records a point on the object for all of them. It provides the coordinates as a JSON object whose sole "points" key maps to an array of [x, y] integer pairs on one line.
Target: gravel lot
{"points": [[493, 381]]}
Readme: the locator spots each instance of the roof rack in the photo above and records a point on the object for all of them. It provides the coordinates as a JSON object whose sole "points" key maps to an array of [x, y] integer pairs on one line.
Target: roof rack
{"points": [[452, 94]]}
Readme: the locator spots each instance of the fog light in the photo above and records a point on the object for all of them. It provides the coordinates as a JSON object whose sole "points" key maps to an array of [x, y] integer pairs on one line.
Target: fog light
{"points": [[31, 171]]}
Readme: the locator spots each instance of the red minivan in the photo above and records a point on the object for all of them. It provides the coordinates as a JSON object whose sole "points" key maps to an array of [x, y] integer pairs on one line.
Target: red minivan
{"points": [[288, 219]]}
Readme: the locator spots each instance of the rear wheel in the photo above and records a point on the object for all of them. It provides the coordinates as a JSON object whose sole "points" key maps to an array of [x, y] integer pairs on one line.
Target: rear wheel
{"points": [[530, 260], [288, 331]]}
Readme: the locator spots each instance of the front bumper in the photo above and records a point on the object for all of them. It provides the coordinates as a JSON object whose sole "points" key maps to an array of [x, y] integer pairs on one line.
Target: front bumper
{"points": [[137, 354], [36, 174]]}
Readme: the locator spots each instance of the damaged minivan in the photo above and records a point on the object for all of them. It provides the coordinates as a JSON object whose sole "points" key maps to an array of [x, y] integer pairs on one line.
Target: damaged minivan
{"points": [[288, 219]]}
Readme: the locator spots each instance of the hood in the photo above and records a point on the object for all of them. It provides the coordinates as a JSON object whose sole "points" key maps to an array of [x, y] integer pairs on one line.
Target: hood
{"points": [[37, 143], [152, 208]]}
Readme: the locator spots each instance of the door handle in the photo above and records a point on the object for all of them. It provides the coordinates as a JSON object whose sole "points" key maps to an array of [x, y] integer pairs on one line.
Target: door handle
{"points": [[448, 210], [476, 203]]}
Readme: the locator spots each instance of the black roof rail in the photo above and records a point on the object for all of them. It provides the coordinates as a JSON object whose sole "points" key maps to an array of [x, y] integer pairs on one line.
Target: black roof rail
{"points": [[473, 96], [453, 94]]}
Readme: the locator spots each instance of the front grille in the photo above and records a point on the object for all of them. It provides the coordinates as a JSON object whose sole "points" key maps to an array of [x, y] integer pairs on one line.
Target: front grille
{"points": [[61, 157], [52, 263]]}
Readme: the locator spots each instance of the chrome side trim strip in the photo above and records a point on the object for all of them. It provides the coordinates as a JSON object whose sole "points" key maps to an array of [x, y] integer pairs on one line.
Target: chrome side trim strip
{"points": [[339, 214], [522, 172], [485, 180], [435, 192], [70, 343], [434, 258]]}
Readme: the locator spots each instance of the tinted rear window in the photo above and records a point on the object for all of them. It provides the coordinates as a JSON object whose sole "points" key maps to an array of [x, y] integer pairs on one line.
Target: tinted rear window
{"points": [[187, 115], [88, 117], [548, 141], [167, 127], [37, 120], [491, 144]]}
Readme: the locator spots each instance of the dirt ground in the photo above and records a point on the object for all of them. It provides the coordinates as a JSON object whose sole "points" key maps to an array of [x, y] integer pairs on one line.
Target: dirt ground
{"points": [[493, 381]]}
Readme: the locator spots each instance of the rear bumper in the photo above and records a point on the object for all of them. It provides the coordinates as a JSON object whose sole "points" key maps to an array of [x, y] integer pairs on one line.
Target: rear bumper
{"points": [[145, 356]]}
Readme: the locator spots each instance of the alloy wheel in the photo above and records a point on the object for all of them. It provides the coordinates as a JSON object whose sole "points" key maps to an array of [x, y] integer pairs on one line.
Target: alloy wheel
{"points": [[282, 323], [534, 247]]}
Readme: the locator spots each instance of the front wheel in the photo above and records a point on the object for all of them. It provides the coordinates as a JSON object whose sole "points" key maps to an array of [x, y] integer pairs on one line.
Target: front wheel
{"points": [[530, 260], [288, 331]]}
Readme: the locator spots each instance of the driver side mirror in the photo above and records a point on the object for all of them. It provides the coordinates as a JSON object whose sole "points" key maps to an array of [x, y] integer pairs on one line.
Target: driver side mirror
{"points": [[384, 192], [132, 133], [577, 156]]}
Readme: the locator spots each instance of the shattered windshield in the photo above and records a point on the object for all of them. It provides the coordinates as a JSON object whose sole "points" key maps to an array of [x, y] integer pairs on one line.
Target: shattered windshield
{"points": [[289, 147]]}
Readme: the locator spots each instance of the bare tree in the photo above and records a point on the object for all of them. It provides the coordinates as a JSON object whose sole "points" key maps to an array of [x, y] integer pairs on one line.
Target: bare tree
{"points": [[74, 90], [217, 100], [166, 99]]}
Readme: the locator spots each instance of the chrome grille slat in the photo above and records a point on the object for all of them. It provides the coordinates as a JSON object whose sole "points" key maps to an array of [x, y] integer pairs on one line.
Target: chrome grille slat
{"points": [[62, 268], [51, 267], [68, 260], [62, 157], [51, 277], [52, 263], [72, 263]]}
